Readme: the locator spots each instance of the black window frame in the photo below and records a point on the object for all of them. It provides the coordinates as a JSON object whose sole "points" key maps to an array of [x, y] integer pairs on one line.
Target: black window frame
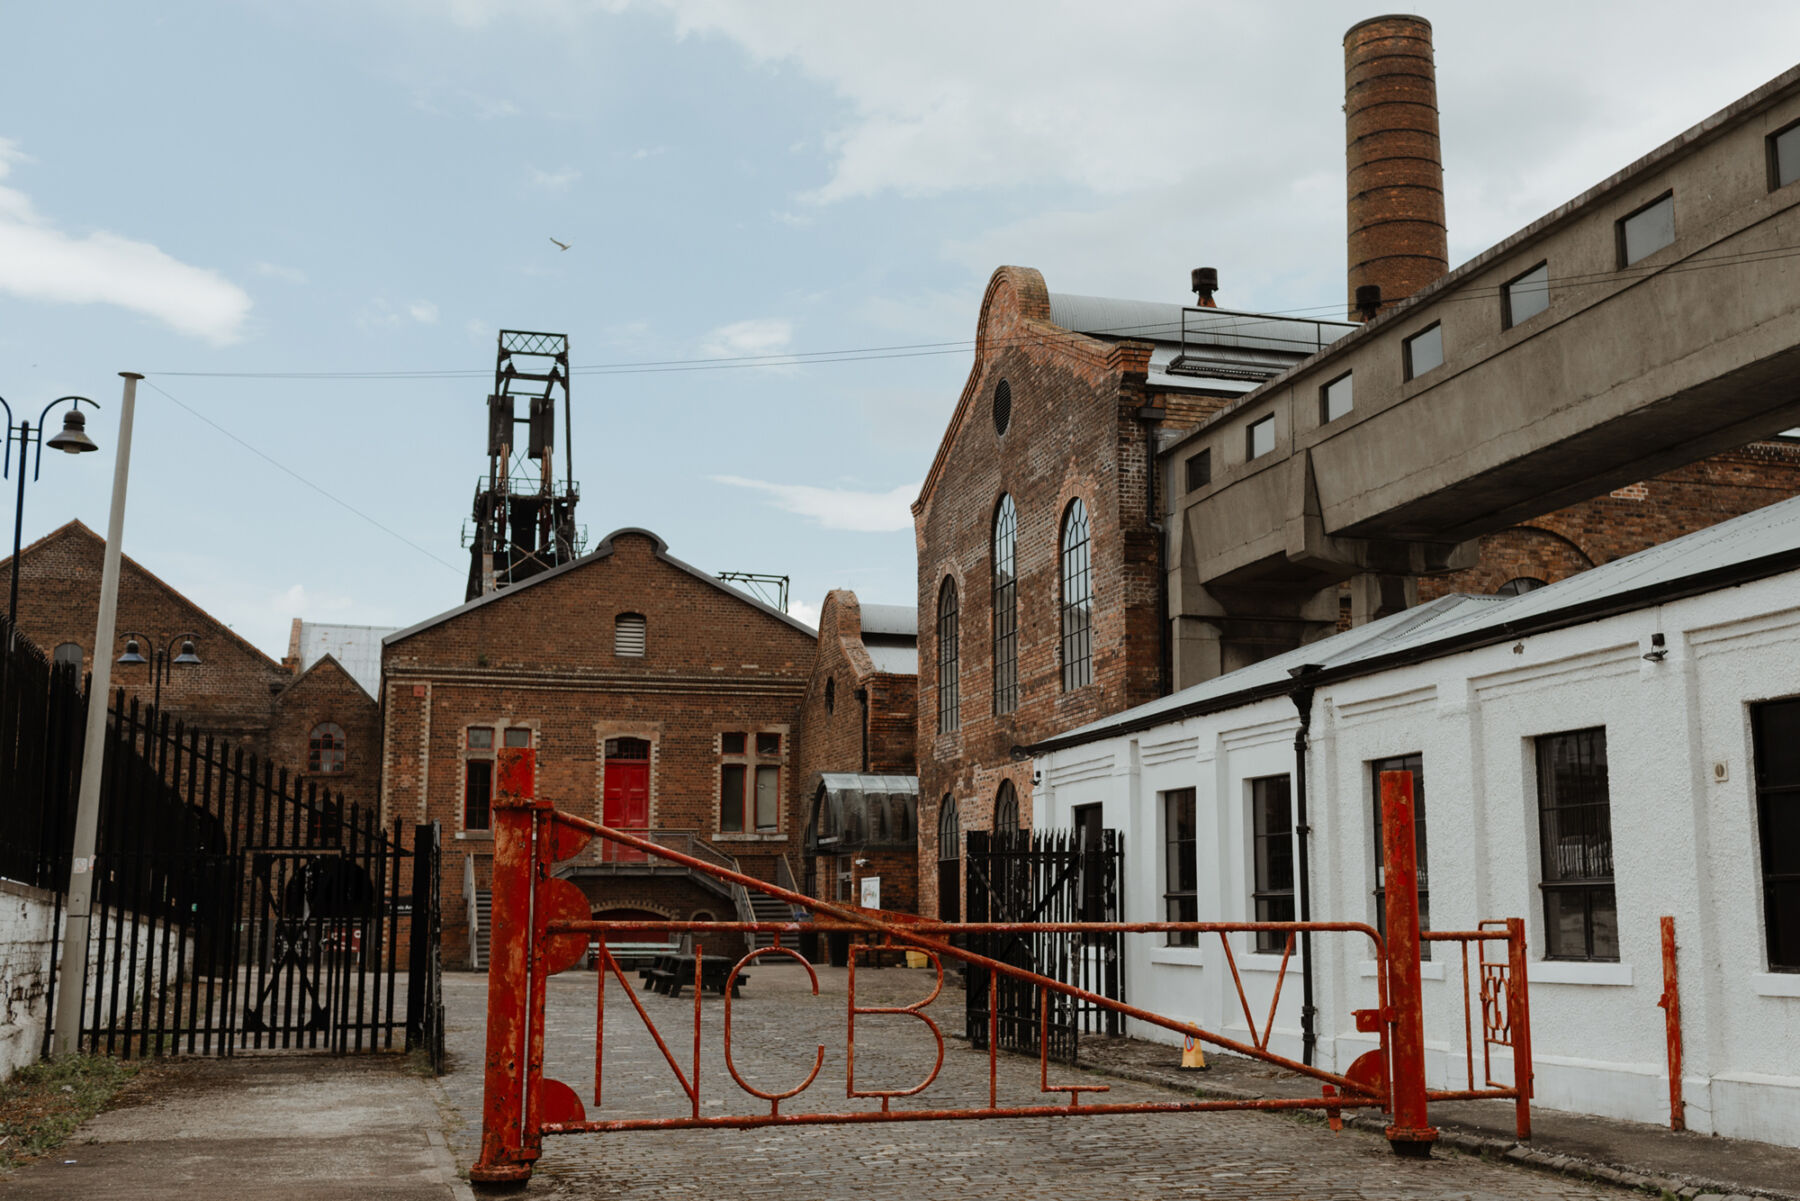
{"points": [[1640, 210], [1557, 878], [949, 865], [1250, 452], [1003, 546], [1199, 469], [1181, 864], [478, 815], [1775, 180], [1778, 866], [1075, 601], [1507, 319], [1406, 351], [1413, 762], [949, 693], [1006, 807], [1271, 899], [1325, 414]]}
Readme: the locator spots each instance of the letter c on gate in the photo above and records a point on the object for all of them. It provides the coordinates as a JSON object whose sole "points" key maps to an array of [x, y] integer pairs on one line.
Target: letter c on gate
{"points": [[774, 1099]]}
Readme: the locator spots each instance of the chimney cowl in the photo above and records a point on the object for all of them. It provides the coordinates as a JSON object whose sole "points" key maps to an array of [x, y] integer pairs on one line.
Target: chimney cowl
{"points": [[1204, 281]]}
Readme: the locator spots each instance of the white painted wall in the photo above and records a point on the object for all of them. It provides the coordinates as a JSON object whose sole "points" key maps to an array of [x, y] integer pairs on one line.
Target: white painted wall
{"points": [[1684, 845], [29, 940]]}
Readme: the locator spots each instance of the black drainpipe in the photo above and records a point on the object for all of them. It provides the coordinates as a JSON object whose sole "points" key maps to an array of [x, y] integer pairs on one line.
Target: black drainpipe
{"points": [[1151, 417], [1302, 696], [862, 696]]}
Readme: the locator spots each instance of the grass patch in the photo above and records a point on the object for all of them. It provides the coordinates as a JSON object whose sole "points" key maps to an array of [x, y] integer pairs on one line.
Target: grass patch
{"points": [[41, 1105]]}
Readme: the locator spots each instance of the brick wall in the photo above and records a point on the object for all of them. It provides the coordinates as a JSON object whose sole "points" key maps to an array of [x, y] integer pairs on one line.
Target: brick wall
{"points": [[540, 657], [327, 693], [1073, 433], [1567, 541]]}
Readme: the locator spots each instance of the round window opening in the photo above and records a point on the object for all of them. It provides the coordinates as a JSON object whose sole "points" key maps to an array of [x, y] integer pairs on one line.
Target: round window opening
{"points": [[1002, 406]]}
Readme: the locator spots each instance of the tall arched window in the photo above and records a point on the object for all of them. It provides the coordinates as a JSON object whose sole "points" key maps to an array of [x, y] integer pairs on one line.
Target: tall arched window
{"points": [[949, 862], [68, 652], [1077, 600], [949, 715], [1006, 608], [325, 749], [1006, 807]]}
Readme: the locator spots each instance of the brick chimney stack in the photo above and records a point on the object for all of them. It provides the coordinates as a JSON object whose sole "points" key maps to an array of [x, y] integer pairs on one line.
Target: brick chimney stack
{"points": [[1396, 173]]}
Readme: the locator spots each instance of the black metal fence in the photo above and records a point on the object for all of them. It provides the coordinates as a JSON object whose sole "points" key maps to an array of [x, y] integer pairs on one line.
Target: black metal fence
{"points": [[42, 715], [1045, 876], [234, 908]]}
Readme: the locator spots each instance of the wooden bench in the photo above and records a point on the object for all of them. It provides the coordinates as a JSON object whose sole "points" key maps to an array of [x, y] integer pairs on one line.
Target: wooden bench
{"points": [[630, 955]]}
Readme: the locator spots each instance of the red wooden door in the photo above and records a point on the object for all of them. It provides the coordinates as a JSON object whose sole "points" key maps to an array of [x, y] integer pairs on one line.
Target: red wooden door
{"points": [[626, 805]]}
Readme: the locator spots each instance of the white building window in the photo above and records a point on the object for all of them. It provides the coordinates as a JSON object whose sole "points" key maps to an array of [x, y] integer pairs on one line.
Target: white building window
{"points": [[1581, 914], [1181, 870], [1272, 847]]}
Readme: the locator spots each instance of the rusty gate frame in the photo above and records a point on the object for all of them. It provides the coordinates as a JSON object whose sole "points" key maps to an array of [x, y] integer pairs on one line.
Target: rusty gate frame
{"points": [[541, 926]]}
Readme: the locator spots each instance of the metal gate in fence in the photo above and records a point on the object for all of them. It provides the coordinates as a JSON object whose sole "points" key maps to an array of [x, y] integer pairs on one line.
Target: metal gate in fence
{"points": [[1024, 877], [236, 909]]}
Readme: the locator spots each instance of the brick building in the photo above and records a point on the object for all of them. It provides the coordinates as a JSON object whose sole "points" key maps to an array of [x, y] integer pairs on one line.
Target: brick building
{"points": [[659, 700], [1048, 549], [857, 767], [1038, 532], [319, 724]]}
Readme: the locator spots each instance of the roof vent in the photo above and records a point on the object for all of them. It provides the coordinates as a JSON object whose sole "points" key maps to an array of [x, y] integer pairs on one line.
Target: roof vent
{"points": [[1204, 281], [1368, 301]]}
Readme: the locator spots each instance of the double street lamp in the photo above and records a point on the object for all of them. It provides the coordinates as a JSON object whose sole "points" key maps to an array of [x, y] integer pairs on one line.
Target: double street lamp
{"points": [[161, 657], [71, 439]]}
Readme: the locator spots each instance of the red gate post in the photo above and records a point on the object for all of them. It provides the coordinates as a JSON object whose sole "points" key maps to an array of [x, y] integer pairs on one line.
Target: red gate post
{"points": [[1671, 1007], [1518, 1020], [509, 1138], [1411, 1133]]}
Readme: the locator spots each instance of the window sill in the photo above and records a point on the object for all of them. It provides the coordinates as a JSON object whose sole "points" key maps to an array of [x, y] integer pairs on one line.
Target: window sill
{"points": [[1576, 971], [734, 837], [1776, 984], [1428, 970], [1257, 961], [1179, 956], [475, 835]]}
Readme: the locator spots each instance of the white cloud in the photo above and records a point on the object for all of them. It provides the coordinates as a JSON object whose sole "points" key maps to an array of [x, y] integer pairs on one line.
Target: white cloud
{"points": [[423, 311], [740, 339], [554, 181], [838, 508], [291, 275], [801, 611], [40, 262]]}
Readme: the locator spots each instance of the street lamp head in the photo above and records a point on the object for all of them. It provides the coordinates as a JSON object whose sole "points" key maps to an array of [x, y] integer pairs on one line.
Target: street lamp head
{"points": [[131, 657], [73, 439], [187, 654]]}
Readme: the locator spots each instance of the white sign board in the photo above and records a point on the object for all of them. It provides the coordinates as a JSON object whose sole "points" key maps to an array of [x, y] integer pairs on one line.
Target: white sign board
{"points": [[871, 892]]}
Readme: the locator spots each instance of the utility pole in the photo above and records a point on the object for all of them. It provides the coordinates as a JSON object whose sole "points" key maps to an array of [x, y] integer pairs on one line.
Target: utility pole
{"points": [[71, 974]]}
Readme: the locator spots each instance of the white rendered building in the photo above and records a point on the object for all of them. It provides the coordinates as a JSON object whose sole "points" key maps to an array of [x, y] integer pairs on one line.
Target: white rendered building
{"points": [[1594, 755]]}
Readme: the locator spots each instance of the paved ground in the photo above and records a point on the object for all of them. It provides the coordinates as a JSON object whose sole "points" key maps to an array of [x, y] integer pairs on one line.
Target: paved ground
{"points": [[777, 1025], [300, 1128]]}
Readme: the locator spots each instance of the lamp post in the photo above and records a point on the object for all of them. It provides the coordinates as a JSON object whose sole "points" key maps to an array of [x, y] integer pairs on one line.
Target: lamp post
{"points": [[160, 658], [71, 439]]}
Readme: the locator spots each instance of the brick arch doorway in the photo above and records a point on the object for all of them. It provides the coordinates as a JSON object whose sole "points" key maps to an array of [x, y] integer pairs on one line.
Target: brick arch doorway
{"points": [[625, 802], [631, 915]]}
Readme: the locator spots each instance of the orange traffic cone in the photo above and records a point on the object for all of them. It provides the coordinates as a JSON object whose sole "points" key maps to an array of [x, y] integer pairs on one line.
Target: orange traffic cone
{"points": [[1192, 1057]]}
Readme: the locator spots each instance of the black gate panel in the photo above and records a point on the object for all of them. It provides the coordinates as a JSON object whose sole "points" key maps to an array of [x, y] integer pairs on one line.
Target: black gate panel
{"points": [[1045, 876]]}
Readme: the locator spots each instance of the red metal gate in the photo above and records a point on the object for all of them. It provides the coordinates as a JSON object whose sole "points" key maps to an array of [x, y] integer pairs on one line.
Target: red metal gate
{"points": [[541, 927]]}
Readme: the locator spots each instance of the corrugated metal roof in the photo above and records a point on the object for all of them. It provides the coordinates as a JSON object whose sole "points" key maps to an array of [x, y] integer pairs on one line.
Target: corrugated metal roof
{"points": [[356, 648], [850, 781], [1770, 531], [890, 619]]}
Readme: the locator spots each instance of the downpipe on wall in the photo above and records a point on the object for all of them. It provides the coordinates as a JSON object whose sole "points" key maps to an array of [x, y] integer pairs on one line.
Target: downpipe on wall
{"points": [[1302, 696]]}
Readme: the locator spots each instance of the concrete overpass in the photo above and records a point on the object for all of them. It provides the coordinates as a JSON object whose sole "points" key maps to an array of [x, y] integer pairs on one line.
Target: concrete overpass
{"points": [[1650, 322]]}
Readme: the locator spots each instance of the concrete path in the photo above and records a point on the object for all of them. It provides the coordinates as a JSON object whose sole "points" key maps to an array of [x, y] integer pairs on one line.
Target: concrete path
{"points": [[259, 1129]]}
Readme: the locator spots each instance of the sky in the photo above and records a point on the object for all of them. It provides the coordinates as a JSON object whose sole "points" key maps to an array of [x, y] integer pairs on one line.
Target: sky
{"points": [[305, 222]]}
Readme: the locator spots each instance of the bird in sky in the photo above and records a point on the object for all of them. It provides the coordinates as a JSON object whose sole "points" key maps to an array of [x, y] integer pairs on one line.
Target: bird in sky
{"points": [[560, 245]]}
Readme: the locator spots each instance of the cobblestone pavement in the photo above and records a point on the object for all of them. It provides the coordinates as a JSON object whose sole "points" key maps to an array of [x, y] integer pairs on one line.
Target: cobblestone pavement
{"points": [[776, 1026]]}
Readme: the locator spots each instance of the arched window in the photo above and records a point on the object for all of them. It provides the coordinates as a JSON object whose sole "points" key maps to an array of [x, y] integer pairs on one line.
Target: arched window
{"points": [[830, 694], [1006, 808], [948, 709], [1006, 608], [68, 652], [1077, 600], [628, 635], [1519, 586], [325, 748], [949, 862]]}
